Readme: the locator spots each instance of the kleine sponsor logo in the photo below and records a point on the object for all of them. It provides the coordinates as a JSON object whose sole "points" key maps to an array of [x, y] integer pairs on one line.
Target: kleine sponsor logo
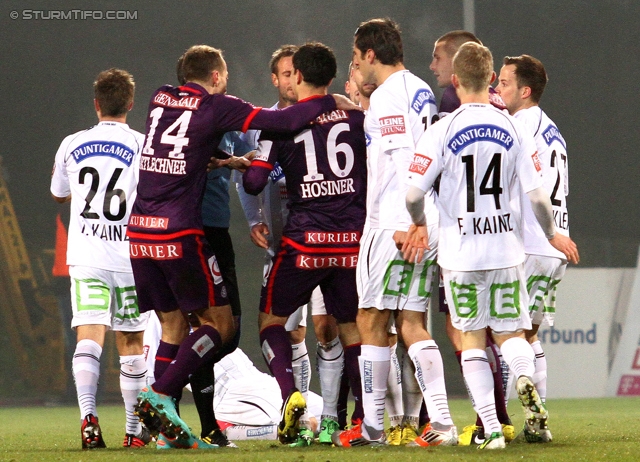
{"points": [[420, 164], [392, 125], [536, 161]]}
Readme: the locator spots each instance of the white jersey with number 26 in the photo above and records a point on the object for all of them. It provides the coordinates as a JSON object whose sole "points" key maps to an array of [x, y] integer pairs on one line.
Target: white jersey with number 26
{"points": [[485, 157], [99, 168]]}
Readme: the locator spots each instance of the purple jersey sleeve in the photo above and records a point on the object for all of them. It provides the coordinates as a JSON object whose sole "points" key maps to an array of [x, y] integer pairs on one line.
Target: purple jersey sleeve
{"points": [[292, 118]]}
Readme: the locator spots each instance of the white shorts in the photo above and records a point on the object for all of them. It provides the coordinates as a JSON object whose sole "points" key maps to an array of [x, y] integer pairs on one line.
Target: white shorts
{"points": [[299, 317], [105, 298], [386, 281], [494, 298], [543, 275]]}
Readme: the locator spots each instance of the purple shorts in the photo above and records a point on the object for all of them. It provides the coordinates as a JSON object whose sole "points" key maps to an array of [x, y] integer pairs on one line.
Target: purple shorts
{"points": [[172, 274], [296, 272]]}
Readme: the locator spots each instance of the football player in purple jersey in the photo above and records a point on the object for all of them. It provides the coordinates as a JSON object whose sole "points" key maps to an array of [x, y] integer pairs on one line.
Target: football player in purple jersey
{"points": [[325, 168], [174, 269]]}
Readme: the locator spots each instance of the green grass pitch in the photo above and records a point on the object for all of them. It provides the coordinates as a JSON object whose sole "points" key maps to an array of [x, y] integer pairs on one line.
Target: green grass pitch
{"points": [[583, 430]]}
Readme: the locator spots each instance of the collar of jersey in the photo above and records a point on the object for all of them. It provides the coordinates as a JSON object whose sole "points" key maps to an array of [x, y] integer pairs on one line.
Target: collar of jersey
{"points": [[310, 98], [192, 88]]}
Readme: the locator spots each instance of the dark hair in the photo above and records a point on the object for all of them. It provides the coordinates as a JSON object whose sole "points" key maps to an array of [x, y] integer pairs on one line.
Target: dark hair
{"points": [[381, 35], [454, 39], [316, 62], [282, 52], [199, 62], [113, 89], [530, 73]]}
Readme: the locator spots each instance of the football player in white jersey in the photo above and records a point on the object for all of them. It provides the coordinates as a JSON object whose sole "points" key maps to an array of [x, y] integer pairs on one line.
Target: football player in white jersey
{"points": [[521, 84], [485, 157], [97, 170], [401, 108]]}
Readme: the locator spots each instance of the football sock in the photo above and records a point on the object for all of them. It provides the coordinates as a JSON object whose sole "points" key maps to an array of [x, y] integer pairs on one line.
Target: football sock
{"points": [[352, 371], [301, 367], [498, 383], [411, 393], [518, 354], [540, 375], [202, 386], [479, 380], [196, 350], [276, 350], [86, 372], [343, 398], [166, 353], [430, 376], [133, 378], [246, 432], [393, 399], [374, 371], [330, 360]]}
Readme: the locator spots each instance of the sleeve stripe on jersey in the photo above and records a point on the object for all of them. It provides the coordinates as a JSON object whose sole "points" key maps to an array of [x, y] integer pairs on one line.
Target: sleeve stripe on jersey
{"points": [[334, 250], [261, 163], [249, 119], [163, 237]]}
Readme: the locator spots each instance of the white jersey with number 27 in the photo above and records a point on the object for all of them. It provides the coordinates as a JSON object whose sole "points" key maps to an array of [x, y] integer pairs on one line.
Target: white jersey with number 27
{"points": [[99, 168], [552, 151], [485, 157]]}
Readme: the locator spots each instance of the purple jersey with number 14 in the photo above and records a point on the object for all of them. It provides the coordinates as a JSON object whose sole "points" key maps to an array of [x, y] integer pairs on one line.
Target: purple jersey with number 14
{"points": [[184, 126]]}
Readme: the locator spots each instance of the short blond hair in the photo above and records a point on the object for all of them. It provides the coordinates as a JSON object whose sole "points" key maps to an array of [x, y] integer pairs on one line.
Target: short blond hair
{"points": [[473, 65]]}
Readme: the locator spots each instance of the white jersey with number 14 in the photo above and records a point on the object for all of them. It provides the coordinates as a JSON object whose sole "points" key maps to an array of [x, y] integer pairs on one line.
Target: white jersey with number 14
{"points": [[485, 157]]}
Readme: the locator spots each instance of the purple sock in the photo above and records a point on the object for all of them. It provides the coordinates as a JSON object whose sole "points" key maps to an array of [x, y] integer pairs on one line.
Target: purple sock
{"points": [[343, 398], [277, 352], [352, 369], [498, 391], [196, 350], [166, 353]]}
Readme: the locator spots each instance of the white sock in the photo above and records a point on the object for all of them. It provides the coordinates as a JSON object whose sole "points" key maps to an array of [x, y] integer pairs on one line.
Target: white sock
{"points": [[518, 354], [393, 398], [374, 369], [247, 432], [133, 374], [86, 372], [301, 368], [411, 393], [430, 376], [330, 360], [479, 379], [540, 375]]}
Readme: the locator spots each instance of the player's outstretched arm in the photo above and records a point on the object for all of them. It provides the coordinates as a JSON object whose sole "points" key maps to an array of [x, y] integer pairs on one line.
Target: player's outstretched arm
{"points": [[541, 205]]}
